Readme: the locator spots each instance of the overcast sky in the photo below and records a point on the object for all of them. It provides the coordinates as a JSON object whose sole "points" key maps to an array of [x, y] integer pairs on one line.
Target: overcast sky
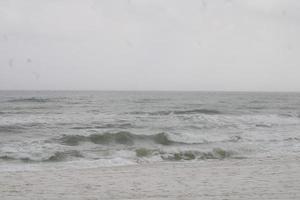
{"points": [[150, 45]]}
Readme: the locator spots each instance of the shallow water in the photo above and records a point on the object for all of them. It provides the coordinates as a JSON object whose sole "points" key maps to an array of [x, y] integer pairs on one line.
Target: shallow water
{"points": [[121, 128]]}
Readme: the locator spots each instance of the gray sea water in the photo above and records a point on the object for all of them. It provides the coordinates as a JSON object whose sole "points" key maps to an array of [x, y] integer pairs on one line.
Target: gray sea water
{"points": [[80, 129]]}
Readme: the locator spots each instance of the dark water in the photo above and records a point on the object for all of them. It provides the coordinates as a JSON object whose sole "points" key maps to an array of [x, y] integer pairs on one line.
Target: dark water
{"points": [[133, 127]]}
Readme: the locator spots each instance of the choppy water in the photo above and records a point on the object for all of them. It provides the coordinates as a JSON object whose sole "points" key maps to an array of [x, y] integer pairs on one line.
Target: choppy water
{"points": [[109, 128]]}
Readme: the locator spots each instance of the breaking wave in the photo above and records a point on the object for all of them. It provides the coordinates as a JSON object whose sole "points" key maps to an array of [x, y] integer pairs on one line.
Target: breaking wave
{"points": [[55, 157], [216, 153], [60, 156], [122, 137], [141, 154], [128, 138]]}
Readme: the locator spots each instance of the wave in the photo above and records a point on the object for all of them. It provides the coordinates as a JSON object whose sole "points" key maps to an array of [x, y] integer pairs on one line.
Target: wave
{"points": [[263, 125], [180, 112], [257, 102], [123, 137], [142, 154], [216, 153], [33, 110], [198, 111], [60, 156], [128, 138], [257, 107], [18, 128], [30, 100], [11, 128], [290, 115], [292, 139], [55, 157], [151, 100], [105, 126]]}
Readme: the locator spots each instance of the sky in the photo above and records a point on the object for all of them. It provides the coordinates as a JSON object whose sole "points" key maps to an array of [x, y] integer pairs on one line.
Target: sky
{"points": [[223, 45]]}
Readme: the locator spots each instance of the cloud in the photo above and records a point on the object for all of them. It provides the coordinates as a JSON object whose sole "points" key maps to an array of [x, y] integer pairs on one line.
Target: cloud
{"points": [[142, 44]]}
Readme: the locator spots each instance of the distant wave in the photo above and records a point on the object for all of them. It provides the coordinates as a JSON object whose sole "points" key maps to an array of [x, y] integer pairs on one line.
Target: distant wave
{"points": [[257, 102], [256, 107], [198, 111], [31, 100], [105, 126], [287, 115], [148, 100], [11, 128], [263, 125], [17, 128], [180, 112], [292, 139], [23, 125], [55, 157]]}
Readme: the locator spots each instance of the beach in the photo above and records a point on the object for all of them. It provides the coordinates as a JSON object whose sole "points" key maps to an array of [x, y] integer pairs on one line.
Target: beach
{"points": [[215, 179], [149, 100]]}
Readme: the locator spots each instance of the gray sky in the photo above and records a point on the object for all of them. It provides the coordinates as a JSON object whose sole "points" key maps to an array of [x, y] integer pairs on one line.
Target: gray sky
{"points": [[150, 44]]}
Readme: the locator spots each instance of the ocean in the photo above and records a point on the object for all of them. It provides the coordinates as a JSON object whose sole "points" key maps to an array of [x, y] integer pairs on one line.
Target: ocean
{"points": [[80, 129]]}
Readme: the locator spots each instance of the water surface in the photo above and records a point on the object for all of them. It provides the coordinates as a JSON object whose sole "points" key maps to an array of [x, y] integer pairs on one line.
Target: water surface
{"points": [[116, 128]]}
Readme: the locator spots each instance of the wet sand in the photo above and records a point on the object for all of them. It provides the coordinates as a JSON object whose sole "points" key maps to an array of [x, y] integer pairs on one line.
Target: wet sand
{"points": [[214, 179]]}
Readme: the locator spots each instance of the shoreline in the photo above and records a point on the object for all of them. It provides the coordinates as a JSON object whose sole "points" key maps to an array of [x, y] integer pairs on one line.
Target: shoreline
{"points": [[271, 178]]}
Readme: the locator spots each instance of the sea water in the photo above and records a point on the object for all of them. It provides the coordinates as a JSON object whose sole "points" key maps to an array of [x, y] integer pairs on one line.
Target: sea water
{"points": [[97, 128]]}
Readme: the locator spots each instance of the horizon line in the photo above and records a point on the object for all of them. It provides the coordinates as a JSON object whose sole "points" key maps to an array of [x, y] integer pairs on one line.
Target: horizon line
{"points": [[114, 90]]}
